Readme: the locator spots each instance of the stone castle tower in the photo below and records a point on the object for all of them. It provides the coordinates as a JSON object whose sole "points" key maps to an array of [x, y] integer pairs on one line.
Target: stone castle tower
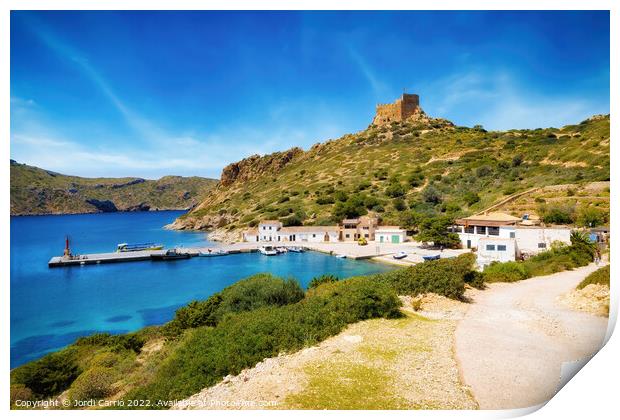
{"points": [[403, 108]]}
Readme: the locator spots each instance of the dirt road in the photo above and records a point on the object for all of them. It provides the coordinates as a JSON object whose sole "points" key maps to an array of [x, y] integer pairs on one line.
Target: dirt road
{"points": [[515, 337]]}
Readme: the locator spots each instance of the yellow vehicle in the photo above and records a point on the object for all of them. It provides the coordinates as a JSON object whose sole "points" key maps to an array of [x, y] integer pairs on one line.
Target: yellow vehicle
{"points": [[362, 241]]}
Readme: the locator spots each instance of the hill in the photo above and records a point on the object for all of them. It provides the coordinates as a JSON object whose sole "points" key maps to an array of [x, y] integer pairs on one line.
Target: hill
{"points": [[38, 191], [403, 171]]}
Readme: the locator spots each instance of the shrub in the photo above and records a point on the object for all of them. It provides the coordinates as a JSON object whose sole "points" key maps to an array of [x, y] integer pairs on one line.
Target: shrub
{"points": [[445, 277], [600, 276], [205, 355], [591, 217], [399, 204], [49, 375], [471, 198], [558, 215], [20, 392], [115, 342], [431, 195], [319, 280], [395, 190], [92, 384], [245, 295], [505, 272]]}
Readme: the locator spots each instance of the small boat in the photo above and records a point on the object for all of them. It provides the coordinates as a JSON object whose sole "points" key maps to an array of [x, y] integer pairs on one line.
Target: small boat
{"points": [[281, 250], [124, 247], [213, 253], [400, 255], [341, 256], [171, 254], [431, 257], [296, 249], [267, 250]]}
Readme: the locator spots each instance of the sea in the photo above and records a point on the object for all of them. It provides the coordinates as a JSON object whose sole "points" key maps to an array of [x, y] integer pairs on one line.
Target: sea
{"points": [[52, 307]]}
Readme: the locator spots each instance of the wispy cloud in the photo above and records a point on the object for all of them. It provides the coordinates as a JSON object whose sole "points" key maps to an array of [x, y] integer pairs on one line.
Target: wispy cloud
{"points": [[379, 88], [499, 101]]}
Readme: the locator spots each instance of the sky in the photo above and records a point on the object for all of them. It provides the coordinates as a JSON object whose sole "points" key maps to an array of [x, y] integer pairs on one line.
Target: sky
{"points": [[148, 94]]}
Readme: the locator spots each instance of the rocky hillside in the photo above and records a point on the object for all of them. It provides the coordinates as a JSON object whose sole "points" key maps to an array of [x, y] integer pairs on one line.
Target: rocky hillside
{"points": [[401, 172], [38, 191]]}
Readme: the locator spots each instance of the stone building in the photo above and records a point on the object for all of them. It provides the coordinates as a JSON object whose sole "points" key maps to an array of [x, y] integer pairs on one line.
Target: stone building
{"points": [[408, 105]]}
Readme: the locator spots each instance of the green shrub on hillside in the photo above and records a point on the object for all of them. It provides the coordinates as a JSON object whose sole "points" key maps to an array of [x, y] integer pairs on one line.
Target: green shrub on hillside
{"points": [[241, 340], [445, 277], [505, 272], [245, 295], [319, 280], [94, 383], [600, 276], [49, 375]]}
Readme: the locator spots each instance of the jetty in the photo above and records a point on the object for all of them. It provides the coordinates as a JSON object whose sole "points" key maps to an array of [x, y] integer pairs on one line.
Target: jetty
{"points": [[102, 258]]}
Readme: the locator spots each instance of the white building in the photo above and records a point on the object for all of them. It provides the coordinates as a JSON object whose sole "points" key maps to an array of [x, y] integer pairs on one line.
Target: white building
{"points": [[527, 239], [390, 234], [268, 230], [308, 234], [495, 249]]}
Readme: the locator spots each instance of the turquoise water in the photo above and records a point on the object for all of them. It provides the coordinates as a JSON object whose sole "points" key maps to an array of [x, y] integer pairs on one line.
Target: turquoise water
{"points": [[50, 308]]}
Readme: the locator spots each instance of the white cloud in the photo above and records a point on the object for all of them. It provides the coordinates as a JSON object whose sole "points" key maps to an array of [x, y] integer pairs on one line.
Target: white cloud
{"points": [[497, 100]]}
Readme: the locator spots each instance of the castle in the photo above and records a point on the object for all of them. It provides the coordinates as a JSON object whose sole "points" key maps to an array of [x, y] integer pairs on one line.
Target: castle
{"points": [[404, 107]]}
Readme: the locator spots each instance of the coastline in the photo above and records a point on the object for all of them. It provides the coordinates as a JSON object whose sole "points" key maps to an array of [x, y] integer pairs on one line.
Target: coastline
{"points": [[99, 212]]}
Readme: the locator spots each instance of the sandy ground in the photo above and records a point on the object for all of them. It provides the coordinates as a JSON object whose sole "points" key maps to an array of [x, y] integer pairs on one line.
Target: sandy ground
{"points": [[406, 363], [515, 337]]}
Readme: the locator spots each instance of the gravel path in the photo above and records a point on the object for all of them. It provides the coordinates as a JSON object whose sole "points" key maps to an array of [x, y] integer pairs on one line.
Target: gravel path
{"points": [[515, 337]]}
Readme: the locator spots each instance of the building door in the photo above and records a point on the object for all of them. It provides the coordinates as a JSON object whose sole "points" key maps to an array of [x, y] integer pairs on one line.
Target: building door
{"points": [[468, 243], [395, 239], [381, 238], [326, 237]]}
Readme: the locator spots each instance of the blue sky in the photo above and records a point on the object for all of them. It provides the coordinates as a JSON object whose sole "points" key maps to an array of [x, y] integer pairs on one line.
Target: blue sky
{"points": [[156, 93]]}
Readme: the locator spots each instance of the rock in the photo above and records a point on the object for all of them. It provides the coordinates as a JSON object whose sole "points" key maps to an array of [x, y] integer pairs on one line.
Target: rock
{"points": [[105, 206], [139, 207]]}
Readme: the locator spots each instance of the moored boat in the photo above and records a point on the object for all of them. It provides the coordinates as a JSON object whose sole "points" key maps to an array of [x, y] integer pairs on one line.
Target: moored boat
{"points": [[296, 249], [171, 254], [400, 255], [213, 253], [267, 250], [125, 247], [431, 257]]}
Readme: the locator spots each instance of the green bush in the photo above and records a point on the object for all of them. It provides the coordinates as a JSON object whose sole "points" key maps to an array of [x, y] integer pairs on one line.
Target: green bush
{"points": [[444, 277], [325, 278], [92, 384], [205, 355], [505, 272], [49, 375], [20, 392], [115, 342], [600, 276], [245, 295]]}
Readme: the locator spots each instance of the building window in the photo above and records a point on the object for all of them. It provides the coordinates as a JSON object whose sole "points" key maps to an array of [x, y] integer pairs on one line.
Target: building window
{"points": [[469, 229], [481, 230], [365, 227], [542, 245], [314, 235], [501, 247], [493, 231], [512, 235], [269, 227], [347, 235], [366, 235], [264, 228], [490, 247]]}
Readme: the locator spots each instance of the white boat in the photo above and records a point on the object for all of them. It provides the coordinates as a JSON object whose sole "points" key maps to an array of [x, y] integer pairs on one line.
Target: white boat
{"points": [[213, 253], [267, 250], [281, 250], [341, 256], [296, 249], [400, 255]]}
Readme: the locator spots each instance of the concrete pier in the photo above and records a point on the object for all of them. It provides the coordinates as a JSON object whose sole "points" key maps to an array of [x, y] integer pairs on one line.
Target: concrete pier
{"points": [[103, 258]]}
